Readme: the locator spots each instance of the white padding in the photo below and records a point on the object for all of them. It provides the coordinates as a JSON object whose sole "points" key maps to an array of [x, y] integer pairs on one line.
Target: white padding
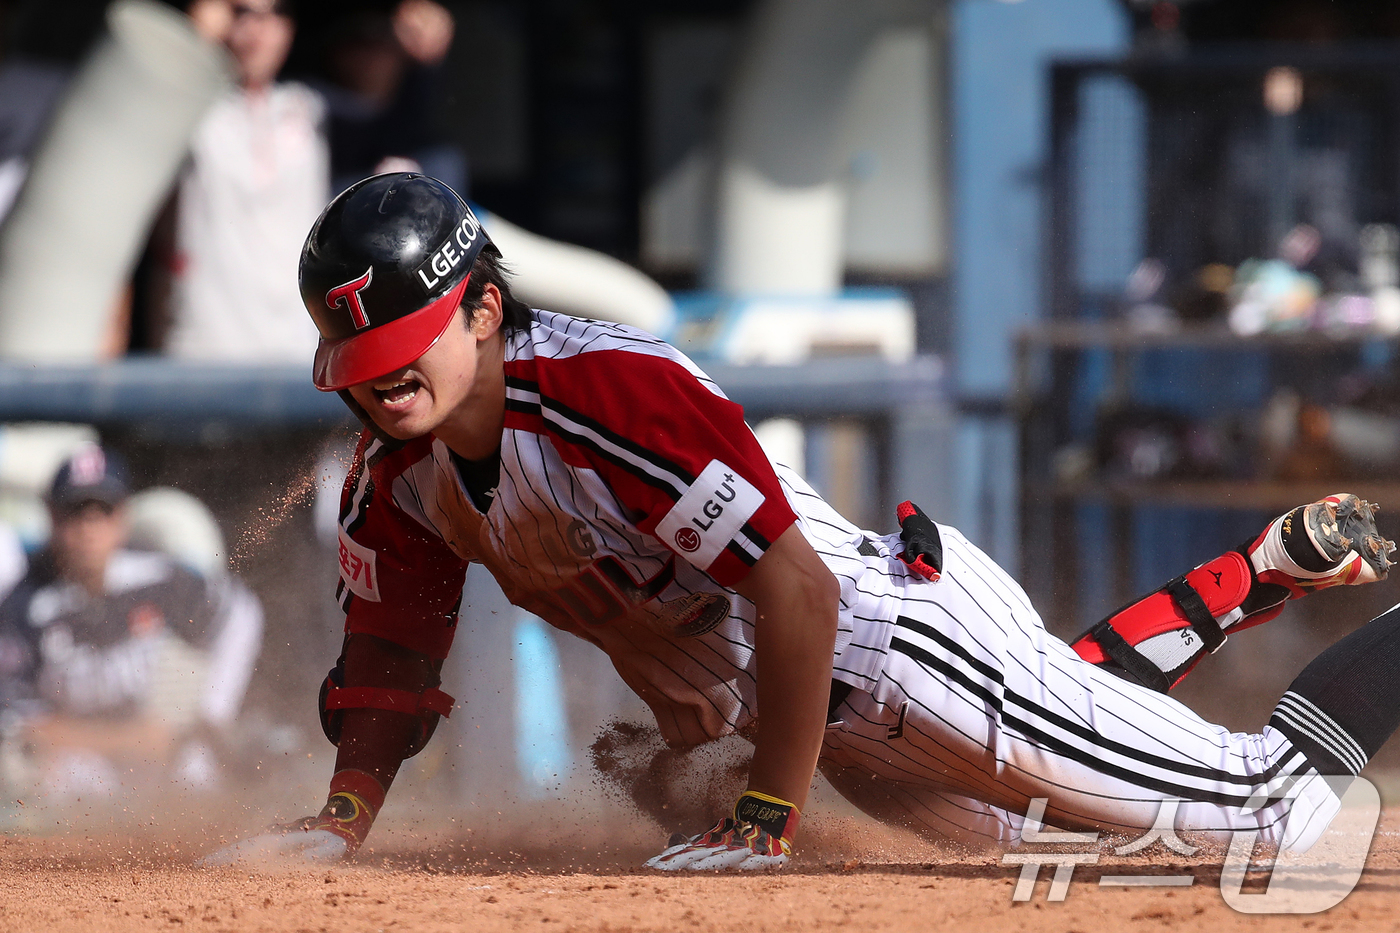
{"points": [[583, 282]]}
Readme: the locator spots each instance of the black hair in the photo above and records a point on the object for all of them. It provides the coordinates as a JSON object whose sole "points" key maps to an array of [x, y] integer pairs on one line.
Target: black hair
{"points": [[490, 268]]}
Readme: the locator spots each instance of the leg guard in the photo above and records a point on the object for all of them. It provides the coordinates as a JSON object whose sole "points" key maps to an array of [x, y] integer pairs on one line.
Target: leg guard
{"points": [[1159, 638]]}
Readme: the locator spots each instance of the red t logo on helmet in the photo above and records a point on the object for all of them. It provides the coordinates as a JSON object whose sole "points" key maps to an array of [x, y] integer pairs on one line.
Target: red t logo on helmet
{"points": [[350, 294]]}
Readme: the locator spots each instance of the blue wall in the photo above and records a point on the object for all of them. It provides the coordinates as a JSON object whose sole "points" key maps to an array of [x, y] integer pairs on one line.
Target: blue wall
{"points": [[1001, 126], [1000, 97]]}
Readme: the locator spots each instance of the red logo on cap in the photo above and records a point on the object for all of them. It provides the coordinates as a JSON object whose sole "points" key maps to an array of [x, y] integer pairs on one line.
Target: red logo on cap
{"points": [[350, 294]]}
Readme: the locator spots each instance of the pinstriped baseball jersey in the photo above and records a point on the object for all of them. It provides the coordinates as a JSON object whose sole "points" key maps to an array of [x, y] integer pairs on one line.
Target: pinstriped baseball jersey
{"points": [[631, 498]]}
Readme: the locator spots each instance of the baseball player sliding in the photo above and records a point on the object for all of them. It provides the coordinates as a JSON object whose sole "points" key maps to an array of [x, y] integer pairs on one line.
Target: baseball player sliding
{"points": [[612, 489]]}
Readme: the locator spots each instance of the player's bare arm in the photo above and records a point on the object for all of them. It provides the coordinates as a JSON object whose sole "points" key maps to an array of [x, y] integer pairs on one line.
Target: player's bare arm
{"points": [[794, 636], [796, 596]]}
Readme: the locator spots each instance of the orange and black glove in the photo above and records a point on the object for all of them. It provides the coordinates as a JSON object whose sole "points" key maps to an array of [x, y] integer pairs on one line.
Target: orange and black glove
{"points": [[758, 835]]}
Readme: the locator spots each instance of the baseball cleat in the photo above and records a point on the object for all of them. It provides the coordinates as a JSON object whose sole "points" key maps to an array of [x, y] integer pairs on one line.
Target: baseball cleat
{"points": [[1331, 542]]}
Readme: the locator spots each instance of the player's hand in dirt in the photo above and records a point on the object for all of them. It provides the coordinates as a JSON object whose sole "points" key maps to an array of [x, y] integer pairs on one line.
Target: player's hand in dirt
{"points": [[758, 836], [729, 844], [287, 845], [330, 836]]}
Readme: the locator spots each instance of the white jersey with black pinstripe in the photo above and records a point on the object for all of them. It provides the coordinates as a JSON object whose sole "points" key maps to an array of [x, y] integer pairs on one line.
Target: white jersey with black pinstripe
{"points": [[979, 710], [631, 497]]}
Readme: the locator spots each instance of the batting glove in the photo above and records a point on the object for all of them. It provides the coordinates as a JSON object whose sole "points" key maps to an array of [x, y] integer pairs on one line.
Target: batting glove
{"points": [[758, 835]]}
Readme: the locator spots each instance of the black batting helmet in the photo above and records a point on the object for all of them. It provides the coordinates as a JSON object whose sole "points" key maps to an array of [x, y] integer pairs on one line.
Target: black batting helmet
{"points": [[382, 272]]}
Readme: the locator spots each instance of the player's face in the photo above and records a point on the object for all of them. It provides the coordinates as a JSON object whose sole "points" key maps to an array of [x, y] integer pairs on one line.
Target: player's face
{"points": [[456, 385], [84, 538], [259, 38]]}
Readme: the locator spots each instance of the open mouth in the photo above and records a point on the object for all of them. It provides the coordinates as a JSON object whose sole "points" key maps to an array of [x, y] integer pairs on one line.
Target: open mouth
{"points": [[397, 394]]}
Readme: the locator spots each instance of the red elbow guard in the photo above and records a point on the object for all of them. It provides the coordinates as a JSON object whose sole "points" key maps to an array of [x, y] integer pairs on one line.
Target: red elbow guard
{"points": [[429, 706], [395, 701]]}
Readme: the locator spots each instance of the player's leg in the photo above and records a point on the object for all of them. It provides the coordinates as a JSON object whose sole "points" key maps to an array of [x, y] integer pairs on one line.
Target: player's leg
{"points": [[1158, 639], [1335, 542], [884, 787], [978, 700], [949, 744]]}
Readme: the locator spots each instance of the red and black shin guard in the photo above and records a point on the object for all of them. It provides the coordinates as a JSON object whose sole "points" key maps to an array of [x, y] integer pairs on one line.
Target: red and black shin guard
{"points": [[1158, 639]]}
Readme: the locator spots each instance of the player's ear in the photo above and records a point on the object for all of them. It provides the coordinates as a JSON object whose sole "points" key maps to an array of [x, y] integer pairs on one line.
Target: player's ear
{"points": [[486, 320]]}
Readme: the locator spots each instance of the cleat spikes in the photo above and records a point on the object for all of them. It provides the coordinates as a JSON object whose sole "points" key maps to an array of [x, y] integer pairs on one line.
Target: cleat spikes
{"points": [[1325, 543]]}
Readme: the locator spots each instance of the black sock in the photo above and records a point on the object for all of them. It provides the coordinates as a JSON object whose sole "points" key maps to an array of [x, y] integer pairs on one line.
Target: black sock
{"points": [[1344, 705]]}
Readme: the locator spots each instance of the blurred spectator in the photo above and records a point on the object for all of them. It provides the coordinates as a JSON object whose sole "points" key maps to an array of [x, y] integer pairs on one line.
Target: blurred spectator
{"points": [[115, 660], [257, 178], [384, 95]]}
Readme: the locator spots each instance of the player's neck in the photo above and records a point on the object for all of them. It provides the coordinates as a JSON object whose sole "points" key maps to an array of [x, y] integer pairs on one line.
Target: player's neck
{"points": [[473, 429]]}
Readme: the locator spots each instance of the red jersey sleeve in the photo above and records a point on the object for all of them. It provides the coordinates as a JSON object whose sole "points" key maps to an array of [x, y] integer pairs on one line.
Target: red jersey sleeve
{"points": [[673, 451], [398, 580]]}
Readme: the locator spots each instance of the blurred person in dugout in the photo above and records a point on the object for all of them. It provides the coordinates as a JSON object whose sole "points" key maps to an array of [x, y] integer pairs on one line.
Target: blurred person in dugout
{"points": [[120, 665], [257, 176], [384, 94]]}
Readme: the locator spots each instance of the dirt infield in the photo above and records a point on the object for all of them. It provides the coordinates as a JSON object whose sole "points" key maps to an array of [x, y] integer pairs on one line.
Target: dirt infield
{"points": [[852, 874]]}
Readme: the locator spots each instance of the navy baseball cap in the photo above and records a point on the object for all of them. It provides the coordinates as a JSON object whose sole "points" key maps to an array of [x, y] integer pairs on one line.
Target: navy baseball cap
{"points": [[91, 474]]}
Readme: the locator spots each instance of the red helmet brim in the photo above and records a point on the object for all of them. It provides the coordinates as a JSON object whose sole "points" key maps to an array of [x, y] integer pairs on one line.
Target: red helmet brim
{"points": [[381, 350]]}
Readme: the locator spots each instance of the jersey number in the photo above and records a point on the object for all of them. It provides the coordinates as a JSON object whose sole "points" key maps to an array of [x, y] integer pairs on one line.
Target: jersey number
{"points": [[605, 591]]}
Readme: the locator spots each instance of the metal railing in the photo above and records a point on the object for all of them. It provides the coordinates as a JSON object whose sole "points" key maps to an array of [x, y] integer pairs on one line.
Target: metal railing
{"points": [[178, 401]]}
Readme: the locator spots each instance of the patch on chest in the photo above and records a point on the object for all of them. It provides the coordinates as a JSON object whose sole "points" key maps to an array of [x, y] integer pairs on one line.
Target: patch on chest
{"points": [[697, 614], [709, 514]]}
